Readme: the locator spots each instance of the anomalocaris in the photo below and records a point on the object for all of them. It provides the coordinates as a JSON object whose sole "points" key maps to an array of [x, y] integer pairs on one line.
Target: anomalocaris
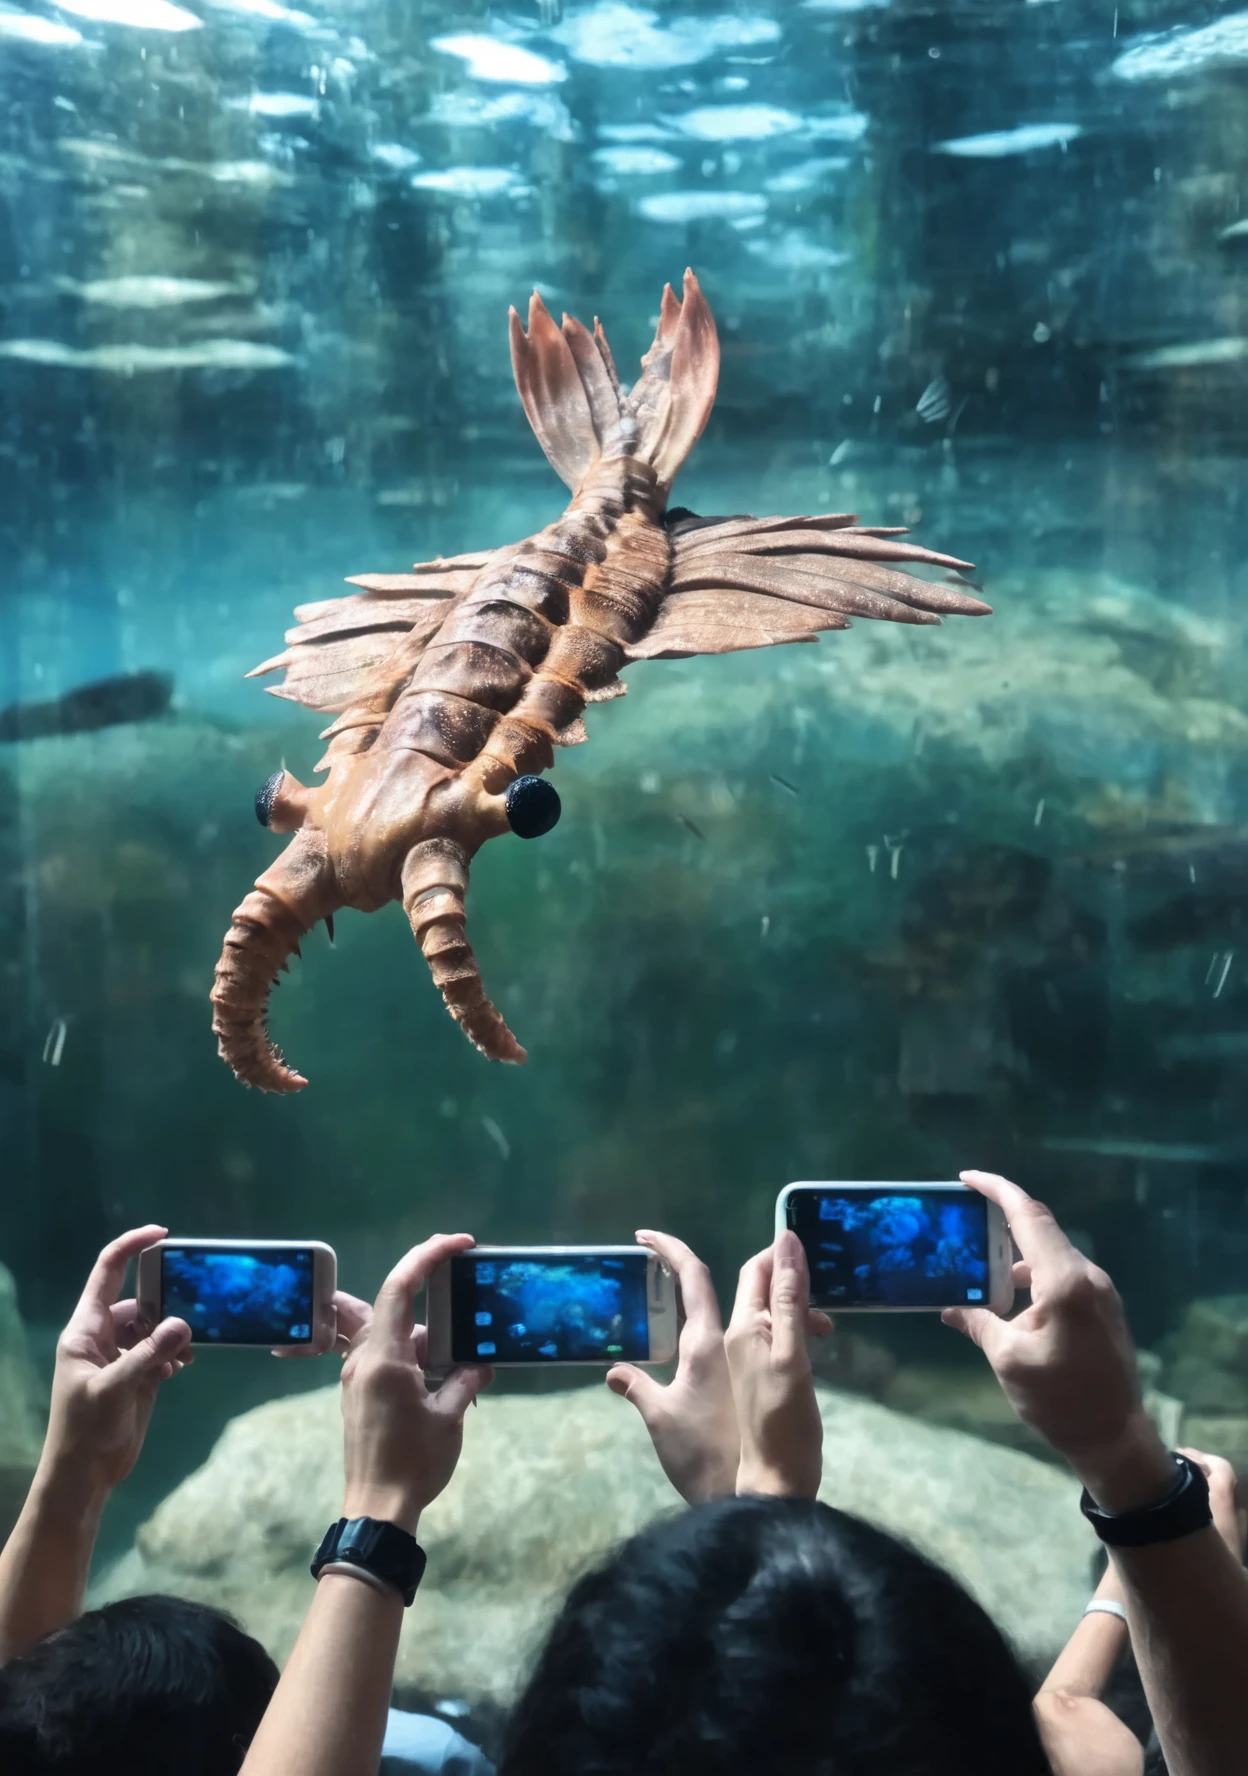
{"points": [[454, 683]]}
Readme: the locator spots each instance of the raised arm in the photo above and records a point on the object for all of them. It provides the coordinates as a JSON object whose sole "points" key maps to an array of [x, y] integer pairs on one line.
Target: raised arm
{"points": [[1067, 1366], [328, 1713], [1083, 1737], [107, 1376]]}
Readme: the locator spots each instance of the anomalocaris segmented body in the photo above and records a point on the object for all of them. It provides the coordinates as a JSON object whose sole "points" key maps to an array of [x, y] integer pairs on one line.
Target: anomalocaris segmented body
{"points": [[455, 683]]}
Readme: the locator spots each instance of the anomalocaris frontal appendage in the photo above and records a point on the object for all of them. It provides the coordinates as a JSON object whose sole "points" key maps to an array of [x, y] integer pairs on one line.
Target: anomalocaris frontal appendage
{"points": [[453, 684]]}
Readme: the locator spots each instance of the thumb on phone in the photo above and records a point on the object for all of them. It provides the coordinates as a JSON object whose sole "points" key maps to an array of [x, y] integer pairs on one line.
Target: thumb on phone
{"points": [[460, 1389], [634, 1385], [150, 1357]]}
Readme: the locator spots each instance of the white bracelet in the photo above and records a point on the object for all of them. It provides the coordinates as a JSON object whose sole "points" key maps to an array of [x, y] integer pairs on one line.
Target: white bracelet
{"points": [[1105, 1606], [359, 1572]]}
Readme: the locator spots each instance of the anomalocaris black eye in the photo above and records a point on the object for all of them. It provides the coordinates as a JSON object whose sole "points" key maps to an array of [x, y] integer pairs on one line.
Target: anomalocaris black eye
{"points": [[266, 795], [533, 807]]}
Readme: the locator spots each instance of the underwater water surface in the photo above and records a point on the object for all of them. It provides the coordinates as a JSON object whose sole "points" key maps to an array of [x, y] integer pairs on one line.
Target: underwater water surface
{"points": [[881, 907]]}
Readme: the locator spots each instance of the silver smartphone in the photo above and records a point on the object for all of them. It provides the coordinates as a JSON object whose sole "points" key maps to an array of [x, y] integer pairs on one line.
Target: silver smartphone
{"points": [[900, 1248], [265, 1294], [517, 1307]]}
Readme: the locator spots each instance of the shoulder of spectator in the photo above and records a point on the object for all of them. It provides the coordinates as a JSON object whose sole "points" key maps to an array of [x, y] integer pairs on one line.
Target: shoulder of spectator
{"points": [[422, 1743]]}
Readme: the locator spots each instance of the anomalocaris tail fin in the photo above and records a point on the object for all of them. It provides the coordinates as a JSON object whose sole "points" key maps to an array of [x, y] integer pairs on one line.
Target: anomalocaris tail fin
{"points": [[572, 395], [569, 388], [672, 400]]}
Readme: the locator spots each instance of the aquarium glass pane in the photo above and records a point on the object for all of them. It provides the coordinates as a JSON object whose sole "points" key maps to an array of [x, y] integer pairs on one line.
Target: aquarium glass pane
{"points": [[879, 906]]}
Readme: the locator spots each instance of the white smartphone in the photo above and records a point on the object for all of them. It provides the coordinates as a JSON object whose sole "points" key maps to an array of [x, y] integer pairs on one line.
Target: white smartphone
{"points": [[524, 1306], [264, 1294], [900, 1248]]}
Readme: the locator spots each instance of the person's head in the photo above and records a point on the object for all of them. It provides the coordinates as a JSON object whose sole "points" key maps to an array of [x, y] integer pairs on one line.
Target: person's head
{"points": [[763, 1634], [144, 1687]]}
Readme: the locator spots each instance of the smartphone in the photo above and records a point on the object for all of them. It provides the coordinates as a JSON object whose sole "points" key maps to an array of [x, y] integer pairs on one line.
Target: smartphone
{"points": [[521, 1306], [900, 1248], [268, 1294]]}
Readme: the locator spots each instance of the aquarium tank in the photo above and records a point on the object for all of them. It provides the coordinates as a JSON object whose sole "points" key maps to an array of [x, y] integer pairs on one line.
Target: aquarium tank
{"points": [[882, 907]]}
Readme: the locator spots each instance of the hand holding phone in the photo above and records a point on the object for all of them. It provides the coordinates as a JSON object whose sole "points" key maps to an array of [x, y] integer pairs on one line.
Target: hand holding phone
{"points": [[777, 1413], [532, 1306], [900, 1248], [263, 1294], [109, 1367], [402, 1441], [1067, 1364], [692, 1421]]}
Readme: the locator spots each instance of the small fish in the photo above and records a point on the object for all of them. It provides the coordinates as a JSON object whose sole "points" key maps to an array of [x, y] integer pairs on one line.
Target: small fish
{"points": [[105, 703], [695, 830], [783, 782], [936, 402]]}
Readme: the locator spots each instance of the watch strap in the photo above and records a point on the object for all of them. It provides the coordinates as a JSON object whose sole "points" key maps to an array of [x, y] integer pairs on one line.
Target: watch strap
{"points": [[380, 1550], [1183, 1510]]}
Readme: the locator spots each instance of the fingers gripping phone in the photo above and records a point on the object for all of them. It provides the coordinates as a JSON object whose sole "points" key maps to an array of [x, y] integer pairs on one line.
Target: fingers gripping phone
{"points": [[900, 1248], [522, 1306], [267, 1294]]}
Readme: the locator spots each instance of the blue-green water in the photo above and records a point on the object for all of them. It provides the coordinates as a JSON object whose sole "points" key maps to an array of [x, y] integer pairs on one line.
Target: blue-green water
{"points": [[882, 907]]}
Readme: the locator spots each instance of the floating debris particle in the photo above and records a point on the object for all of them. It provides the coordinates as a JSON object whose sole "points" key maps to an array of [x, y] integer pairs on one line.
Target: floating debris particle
{"points": [[497, 1136], [690, 826], [1226, 969], [783, 782]]}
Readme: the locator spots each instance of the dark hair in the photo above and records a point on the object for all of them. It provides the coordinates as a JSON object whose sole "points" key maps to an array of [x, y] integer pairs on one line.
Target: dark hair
{"points": [[760, 1634], [148, 1686]]}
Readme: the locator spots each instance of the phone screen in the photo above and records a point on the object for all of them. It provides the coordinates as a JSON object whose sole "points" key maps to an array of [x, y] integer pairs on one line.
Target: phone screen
{"points": [[898, 1246], [550, 1308], [240, 1295]]}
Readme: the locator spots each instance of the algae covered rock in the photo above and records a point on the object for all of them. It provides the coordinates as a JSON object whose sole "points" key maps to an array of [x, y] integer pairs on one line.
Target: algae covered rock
{"points": [[968, 1400], [20, 1435], [1214, 1332], [548, 1483], [1206, 1368], [1219, 1433]]}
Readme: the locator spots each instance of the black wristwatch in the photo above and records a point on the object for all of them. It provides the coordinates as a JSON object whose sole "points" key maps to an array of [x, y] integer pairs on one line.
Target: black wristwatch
{"points": [[383, 1550], [1184, 1509]]}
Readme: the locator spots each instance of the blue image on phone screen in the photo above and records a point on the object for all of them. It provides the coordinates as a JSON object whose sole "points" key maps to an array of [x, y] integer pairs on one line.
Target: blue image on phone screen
{"points": [[907, 1247], [256, 1296], [583, 1309]]}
